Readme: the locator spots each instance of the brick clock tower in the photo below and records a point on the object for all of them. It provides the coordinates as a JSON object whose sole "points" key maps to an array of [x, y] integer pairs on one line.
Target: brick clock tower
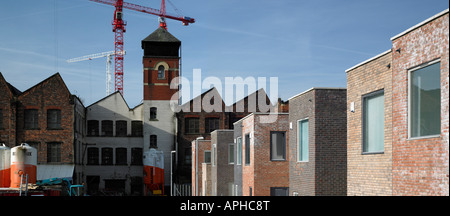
{"points": [[161, 63]]}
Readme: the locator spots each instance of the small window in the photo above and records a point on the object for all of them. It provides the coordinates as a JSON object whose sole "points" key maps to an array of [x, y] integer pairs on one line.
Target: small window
{"points": [[54, 152], [239, 151], [107, 156], [31, 119], [425, 101], [136, 128], [93, 128], [92, 154], [107, 128], [373, 123], [53, 119], [303, 141], [278, 145], [121, 156], [192, 125], [153, 112], [247, 149], [279, 191], [211, 124], [213, 157], [207, 157], [136, 156], [153, 141], [121, 128], [231, 153], [161, 72]]}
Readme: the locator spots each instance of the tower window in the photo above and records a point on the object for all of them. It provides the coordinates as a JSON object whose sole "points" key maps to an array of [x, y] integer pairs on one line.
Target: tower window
{"points": [[153, 141], [153, 111], [161, 71]]}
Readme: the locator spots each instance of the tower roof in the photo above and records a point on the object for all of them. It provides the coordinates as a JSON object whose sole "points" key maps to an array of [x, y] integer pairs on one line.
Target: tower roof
{"points": [[161, 35]]}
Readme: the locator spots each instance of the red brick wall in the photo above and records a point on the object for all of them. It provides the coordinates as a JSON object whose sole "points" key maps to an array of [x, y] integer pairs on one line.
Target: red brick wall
{"points": [[159, 89], [8, 129], [420, 166], [203, 145]]}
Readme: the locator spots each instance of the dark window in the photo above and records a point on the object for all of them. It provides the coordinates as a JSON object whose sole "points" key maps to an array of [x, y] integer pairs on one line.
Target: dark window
{"points": [[278, 145], [192, 125], [107, 156], [31, 119], [153, 112], [136, 156], [161, 71], [93, 128], [121, 156], [136, 128], [279, 191], [121, 128], [211, 124], [92, 154], [153, 141], [54, 152], [247, 149], [53, 119], [107, 128]]}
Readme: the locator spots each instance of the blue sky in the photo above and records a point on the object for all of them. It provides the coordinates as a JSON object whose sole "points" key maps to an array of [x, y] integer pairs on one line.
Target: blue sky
{"points": [[303, 43]]}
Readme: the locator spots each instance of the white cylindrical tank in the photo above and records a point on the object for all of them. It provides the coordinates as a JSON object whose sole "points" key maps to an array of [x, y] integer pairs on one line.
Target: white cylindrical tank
{"points": [[153, 170], [5, 166], [23, 162]]}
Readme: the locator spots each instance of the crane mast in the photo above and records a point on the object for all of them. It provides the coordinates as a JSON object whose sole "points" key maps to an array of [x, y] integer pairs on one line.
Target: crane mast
{"points": [[119, 28]]}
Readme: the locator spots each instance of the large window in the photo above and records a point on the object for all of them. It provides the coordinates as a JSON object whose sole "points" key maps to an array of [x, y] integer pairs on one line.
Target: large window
{"points": [[93, 128], [277, 145], [303, 140], [211, 124], [92, 156], [53, 119], [192, 125], [31, 119], [121, 128], [54, 152], [136, 128], [425, 101], [121, 156], [107, 128], [239, 151], [107, 156], [373, 122]]}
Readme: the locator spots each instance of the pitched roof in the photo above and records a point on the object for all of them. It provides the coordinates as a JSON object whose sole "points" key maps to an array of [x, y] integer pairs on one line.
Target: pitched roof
{"points": [[161, 35]]}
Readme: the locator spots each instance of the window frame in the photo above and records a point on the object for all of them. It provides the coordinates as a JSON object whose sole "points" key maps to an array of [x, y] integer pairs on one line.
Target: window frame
{"points": [[409, 119], [204, 157], [187, 123], [238, 151], [163, 73], [231, 160], [299, 141], [283, 146], [363, 120], [247, 150], [34, 124], [57, 124], [52, 156]]}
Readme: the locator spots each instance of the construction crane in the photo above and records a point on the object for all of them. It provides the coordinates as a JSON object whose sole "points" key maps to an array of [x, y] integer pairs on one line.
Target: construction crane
{"points": [[108, 56], [119, 28]]}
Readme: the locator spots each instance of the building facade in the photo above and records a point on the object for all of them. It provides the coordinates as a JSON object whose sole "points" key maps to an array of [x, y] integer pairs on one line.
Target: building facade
{"points": [[222, 162], [318, 143]]}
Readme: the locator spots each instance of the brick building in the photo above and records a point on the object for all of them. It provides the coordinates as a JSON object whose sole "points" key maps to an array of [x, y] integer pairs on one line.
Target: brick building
{"points": [[420, 107], [398, 115], [264, 152], [46, 116], [222, 162], [201, 171], [318, 143]]}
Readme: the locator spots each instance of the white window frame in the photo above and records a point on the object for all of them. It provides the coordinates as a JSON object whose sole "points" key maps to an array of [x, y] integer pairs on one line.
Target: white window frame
{"points": [[410, 71]]}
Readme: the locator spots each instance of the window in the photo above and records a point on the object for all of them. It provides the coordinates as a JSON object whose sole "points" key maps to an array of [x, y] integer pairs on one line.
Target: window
{"points": [[136, 128], [161, 72], [121, 128], [153, 141], [31, 119], [239, 151], [153, 112], [213, 157], [425, 101], [121, 156], [303, 140], [92, 154], [231, 153], [207, 157], [279, 191], [247, 149], [107, 128], [373, 122], [54, 152], [211, 124], [93, 128], [53, 119], [107, 156], [192, 125], [136, 156], [277, 145]]}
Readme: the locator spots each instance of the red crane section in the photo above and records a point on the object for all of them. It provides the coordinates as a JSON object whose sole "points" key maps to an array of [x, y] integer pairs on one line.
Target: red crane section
{"points": [[119, 28]]}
